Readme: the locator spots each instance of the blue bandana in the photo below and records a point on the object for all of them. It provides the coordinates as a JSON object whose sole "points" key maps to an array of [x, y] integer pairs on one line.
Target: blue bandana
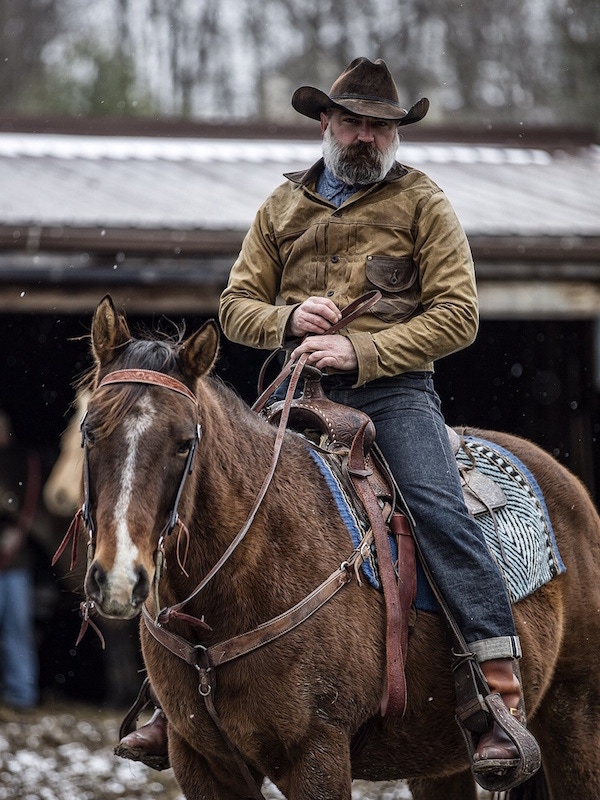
{"points": [[335, 190]]}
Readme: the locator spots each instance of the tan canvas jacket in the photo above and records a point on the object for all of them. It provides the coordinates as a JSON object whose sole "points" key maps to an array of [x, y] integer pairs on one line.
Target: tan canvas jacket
{"points": [[400, 236]]}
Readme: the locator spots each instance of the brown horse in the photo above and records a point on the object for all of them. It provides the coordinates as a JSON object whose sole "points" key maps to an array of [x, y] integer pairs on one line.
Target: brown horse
{"points": [[293, 706]]}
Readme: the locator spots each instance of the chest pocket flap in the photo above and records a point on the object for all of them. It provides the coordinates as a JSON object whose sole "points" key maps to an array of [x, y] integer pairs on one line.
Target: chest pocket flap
{"points": [[397, 279]]}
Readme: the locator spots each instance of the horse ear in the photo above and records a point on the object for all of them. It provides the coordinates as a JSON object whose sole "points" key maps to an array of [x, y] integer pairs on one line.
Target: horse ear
{"points": [[109, 331], [199, 352]]}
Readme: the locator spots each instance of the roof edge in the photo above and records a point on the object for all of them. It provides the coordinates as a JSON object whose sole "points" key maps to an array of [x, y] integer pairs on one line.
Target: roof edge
{"points": [[521, 135], [190, 241]]}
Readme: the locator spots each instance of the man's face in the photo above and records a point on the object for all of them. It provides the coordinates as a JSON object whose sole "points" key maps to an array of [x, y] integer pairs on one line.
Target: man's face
{"points": [[358, 149], [348, 129]]}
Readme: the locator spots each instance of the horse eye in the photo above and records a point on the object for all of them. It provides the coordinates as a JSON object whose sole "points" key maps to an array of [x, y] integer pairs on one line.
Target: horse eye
{"points": [[88, 436], [185, 447]]}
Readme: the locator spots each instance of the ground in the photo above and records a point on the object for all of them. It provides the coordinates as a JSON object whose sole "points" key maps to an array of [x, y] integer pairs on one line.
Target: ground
{"points": [[65, 752]]}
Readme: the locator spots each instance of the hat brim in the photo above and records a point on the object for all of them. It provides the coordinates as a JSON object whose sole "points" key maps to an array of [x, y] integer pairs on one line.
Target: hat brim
{"points": [[311, 102]]}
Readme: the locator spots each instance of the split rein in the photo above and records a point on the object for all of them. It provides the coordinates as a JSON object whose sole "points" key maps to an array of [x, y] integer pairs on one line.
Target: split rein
{"points": [[84, 515]]}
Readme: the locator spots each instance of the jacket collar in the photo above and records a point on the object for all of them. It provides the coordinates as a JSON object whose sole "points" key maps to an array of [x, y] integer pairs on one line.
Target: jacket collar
{"points": [[309, 177]]}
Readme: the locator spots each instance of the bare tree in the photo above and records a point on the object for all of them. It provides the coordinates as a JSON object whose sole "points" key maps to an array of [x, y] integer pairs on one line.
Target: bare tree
{"points": [[485, 61], [576, 45], [25, 30]]}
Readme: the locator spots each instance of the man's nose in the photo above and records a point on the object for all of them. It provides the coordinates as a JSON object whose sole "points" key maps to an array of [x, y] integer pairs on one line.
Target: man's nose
{"points": [[365, 132]]}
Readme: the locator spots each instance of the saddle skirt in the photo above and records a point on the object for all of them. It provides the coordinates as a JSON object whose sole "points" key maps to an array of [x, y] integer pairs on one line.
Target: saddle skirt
{"points": [[500, 493], [511, 514]]}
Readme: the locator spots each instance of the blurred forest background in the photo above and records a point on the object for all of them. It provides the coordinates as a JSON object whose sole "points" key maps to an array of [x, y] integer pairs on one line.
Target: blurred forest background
{"points": [[479, 61]]}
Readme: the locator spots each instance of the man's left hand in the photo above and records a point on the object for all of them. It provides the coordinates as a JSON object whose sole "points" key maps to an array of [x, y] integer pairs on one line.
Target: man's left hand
{"points": [[333, 351]]}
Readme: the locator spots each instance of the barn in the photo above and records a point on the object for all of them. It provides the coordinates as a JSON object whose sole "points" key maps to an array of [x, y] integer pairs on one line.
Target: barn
{"points": [[155, 213]]}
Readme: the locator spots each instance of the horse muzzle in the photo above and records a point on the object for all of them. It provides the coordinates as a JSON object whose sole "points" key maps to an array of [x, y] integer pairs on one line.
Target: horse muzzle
{"points": [[117, 596]]}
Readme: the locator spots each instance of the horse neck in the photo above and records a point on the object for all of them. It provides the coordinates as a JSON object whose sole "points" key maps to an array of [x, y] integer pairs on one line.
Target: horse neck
{"points": [[234, 457]]}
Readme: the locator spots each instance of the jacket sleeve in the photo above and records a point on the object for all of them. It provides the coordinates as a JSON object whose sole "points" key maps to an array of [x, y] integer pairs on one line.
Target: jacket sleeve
{"points": [[248, 310], [448, 318]]}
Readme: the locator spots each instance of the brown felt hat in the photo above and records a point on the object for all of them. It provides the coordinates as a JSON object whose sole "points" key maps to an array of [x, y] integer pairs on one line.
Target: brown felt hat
{"points": [[365, 88]]}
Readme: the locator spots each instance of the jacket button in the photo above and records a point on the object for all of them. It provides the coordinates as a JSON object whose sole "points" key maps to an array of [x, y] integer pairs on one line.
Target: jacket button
{"points": [[330, 293], [337, 213], [335, 259]]}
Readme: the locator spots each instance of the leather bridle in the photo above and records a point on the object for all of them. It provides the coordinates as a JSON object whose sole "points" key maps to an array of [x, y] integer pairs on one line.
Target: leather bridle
{"points": [[84, 514], [153, 378]]}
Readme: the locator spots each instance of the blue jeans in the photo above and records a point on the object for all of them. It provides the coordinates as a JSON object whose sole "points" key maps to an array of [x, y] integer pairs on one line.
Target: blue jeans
{"points": [[411, 434], [18, 654]]}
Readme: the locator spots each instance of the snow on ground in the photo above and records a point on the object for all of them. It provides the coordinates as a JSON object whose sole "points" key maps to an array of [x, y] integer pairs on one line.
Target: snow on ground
{"points": [[65, 752]]}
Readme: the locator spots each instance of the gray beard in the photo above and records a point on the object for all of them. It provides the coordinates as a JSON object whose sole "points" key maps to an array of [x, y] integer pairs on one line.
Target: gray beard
{"points": [[360, 163]]}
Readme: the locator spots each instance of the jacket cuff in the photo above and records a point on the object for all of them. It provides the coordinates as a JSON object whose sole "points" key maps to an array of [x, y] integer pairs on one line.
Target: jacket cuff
{"points": [[283, 317], [366, 355]]}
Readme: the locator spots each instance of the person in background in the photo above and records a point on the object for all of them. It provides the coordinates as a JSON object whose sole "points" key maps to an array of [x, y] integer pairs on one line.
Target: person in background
{"points": [[19, 494]]}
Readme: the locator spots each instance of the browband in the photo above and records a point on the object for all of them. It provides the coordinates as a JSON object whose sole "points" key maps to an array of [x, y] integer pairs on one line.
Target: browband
{"points": [[148, 376]]}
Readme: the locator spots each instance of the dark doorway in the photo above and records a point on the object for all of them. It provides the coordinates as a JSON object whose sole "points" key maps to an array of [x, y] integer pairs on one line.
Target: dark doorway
{"points": [[533, 379]]}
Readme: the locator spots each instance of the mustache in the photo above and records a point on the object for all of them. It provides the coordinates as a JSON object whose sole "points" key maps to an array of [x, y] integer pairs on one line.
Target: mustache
{"points": [[359, 150]]}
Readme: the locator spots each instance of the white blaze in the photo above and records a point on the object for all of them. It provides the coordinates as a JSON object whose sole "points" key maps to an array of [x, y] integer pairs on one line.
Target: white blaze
{"points": [[123, 573]]}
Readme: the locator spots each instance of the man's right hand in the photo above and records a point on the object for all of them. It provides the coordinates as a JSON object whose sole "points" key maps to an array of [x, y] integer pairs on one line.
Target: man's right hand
{"points": [[315, 315]]}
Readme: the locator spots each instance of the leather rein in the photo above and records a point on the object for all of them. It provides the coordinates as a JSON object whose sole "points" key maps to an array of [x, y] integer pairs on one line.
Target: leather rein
{"points": [[268, 631]]}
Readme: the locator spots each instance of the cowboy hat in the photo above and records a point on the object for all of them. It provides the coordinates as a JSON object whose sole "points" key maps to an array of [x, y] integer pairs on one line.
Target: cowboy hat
{"points": [[366, 89]]}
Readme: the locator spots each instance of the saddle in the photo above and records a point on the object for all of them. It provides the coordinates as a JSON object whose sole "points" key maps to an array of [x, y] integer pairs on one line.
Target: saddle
{"points": [[348, 435], [481, 494]]}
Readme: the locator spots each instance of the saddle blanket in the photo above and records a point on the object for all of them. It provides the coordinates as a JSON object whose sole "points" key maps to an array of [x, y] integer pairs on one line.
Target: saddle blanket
{"points": [[519, 535]]}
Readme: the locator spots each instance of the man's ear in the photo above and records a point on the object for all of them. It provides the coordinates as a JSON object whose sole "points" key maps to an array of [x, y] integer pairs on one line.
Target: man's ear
{"points": [[324, 122]]}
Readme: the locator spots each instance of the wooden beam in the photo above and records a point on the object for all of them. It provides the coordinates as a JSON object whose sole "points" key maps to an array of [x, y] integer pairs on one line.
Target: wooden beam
{"points": [[132, 299], [539, 300]]}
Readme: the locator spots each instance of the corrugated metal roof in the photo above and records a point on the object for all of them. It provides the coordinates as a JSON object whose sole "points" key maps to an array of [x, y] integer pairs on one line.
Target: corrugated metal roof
{"points": [[212, 184]]}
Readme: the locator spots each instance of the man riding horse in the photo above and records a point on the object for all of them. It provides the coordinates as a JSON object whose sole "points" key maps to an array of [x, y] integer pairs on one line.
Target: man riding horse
{"points": [[358, 220]]}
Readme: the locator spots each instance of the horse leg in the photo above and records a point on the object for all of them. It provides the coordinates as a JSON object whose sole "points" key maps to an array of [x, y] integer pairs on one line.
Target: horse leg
{"points": [[568, 729], [199, 779], [321, 770], [459, 786]]}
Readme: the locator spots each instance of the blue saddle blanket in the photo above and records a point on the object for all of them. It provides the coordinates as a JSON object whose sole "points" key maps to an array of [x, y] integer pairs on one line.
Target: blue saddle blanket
{"points": [[519, 535]]}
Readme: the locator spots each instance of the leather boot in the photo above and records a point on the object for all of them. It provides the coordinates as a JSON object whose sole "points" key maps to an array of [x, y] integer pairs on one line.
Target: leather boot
{"points": [[148, 744], [495, 748]]}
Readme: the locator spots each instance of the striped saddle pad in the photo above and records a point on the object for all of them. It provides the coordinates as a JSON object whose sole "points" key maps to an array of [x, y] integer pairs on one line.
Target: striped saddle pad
{"points": [[519, 534]]}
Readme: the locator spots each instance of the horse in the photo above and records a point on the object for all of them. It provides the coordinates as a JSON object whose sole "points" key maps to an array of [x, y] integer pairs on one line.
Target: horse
{"points": [[62, 489], [173, 467]]}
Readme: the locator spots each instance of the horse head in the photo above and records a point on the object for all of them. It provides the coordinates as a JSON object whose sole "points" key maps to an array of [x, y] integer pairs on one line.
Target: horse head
{"points": [[139, 435]]}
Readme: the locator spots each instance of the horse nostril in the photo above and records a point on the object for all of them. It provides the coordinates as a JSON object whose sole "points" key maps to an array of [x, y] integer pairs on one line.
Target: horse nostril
{"points": [[141, 588], [94, 582]]}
